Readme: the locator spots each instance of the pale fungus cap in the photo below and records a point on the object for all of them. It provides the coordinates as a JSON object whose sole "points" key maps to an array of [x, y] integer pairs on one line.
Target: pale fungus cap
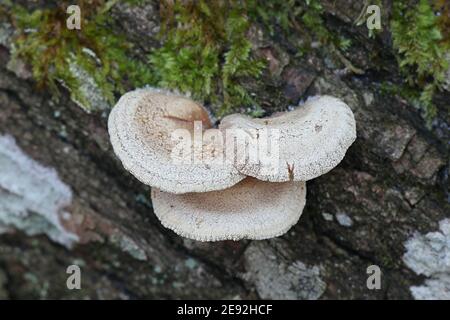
{"points": [[251, 209], [310, 140], [141, 128]]}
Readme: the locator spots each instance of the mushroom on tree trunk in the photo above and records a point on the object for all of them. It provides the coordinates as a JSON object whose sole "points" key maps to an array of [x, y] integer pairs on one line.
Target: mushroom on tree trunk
{"points": [[210, 195]]}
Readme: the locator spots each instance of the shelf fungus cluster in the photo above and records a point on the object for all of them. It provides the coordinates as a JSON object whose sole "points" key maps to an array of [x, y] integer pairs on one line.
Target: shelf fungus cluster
{"points": [[244, 179]]}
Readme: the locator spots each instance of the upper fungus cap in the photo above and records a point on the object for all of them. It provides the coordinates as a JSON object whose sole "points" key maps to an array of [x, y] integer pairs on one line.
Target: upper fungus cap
{"points": [[311, 140], [251, 209], [141, 128]]}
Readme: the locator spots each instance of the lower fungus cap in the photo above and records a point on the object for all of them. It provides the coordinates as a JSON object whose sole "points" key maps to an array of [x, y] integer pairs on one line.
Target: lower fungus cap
{"points": [[141, 128], [251, 209]]}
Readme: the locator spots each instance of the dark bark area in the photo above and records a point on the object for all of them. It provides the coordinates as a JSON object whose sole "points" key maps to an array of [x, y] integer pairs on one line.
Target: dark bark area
{"points": [[392, 185]]}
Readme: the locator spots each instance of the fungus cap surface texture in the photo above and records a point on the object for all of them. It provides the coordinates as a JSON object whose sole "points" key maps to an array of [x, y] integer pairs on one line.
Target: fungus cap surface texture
{"points": [[251, 209], [312, 139], [141, 128]]}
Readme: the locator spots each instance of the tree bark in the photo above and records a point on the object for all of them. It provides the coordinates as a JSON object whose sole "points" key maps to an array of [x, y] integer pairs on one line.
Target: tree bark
{"points": [[386, 204]]}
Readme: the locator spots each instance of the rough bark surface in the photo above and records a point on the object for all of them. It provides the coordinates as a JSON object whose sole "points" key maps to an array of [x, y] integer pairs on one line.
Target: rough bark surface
{"points": [[386, 204]]}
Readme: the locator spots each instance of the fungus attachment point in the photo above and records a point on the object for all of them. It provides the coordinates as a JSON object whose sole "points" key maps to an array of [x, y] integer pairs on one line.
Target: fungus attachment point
{"points": [[310, 141], [146, 128], [251, 209]]}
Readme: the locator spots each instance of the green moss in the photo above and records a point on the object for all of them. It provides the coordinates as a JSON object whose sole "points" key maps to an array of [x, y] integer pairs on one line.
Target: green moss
{"points": [[93, 58], [313, 21], [410, 94], [421, 49], [301, 19], [420, 29], [286, 15], [274, 14], [206, 52]]}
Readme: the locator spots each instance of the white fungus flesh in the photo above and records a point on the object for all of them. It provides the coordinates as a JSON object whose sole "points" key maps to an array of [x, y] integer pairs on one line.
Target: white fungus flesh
{"points": [[310, 140], [251, 209], [141, 128]]}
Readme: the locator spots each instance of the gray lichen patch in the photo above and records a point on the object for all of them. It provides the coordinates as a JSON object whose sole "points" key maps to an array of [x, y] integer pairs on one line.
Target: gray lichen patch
{"points": [[128, 245], [88, 96], [437, 288], [429, 255], [19, 68], [327, 216], [6, 33], [15, 64], [32, 197], [344, 220], [191, 264], [275, 278]]}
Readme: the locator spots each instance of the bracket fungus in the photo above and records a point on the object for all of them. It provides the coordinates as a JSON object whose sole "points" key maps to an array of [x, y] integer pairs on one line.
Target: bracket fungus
{"points": [[141, 128], [251, 209], [208, 200], [310, 140]]}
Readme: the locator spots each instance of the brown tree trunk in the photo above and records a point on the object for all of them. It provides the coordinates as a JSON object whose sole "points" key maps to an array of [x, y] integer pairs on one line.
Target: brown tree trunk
{"points": [[383, 205]]}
